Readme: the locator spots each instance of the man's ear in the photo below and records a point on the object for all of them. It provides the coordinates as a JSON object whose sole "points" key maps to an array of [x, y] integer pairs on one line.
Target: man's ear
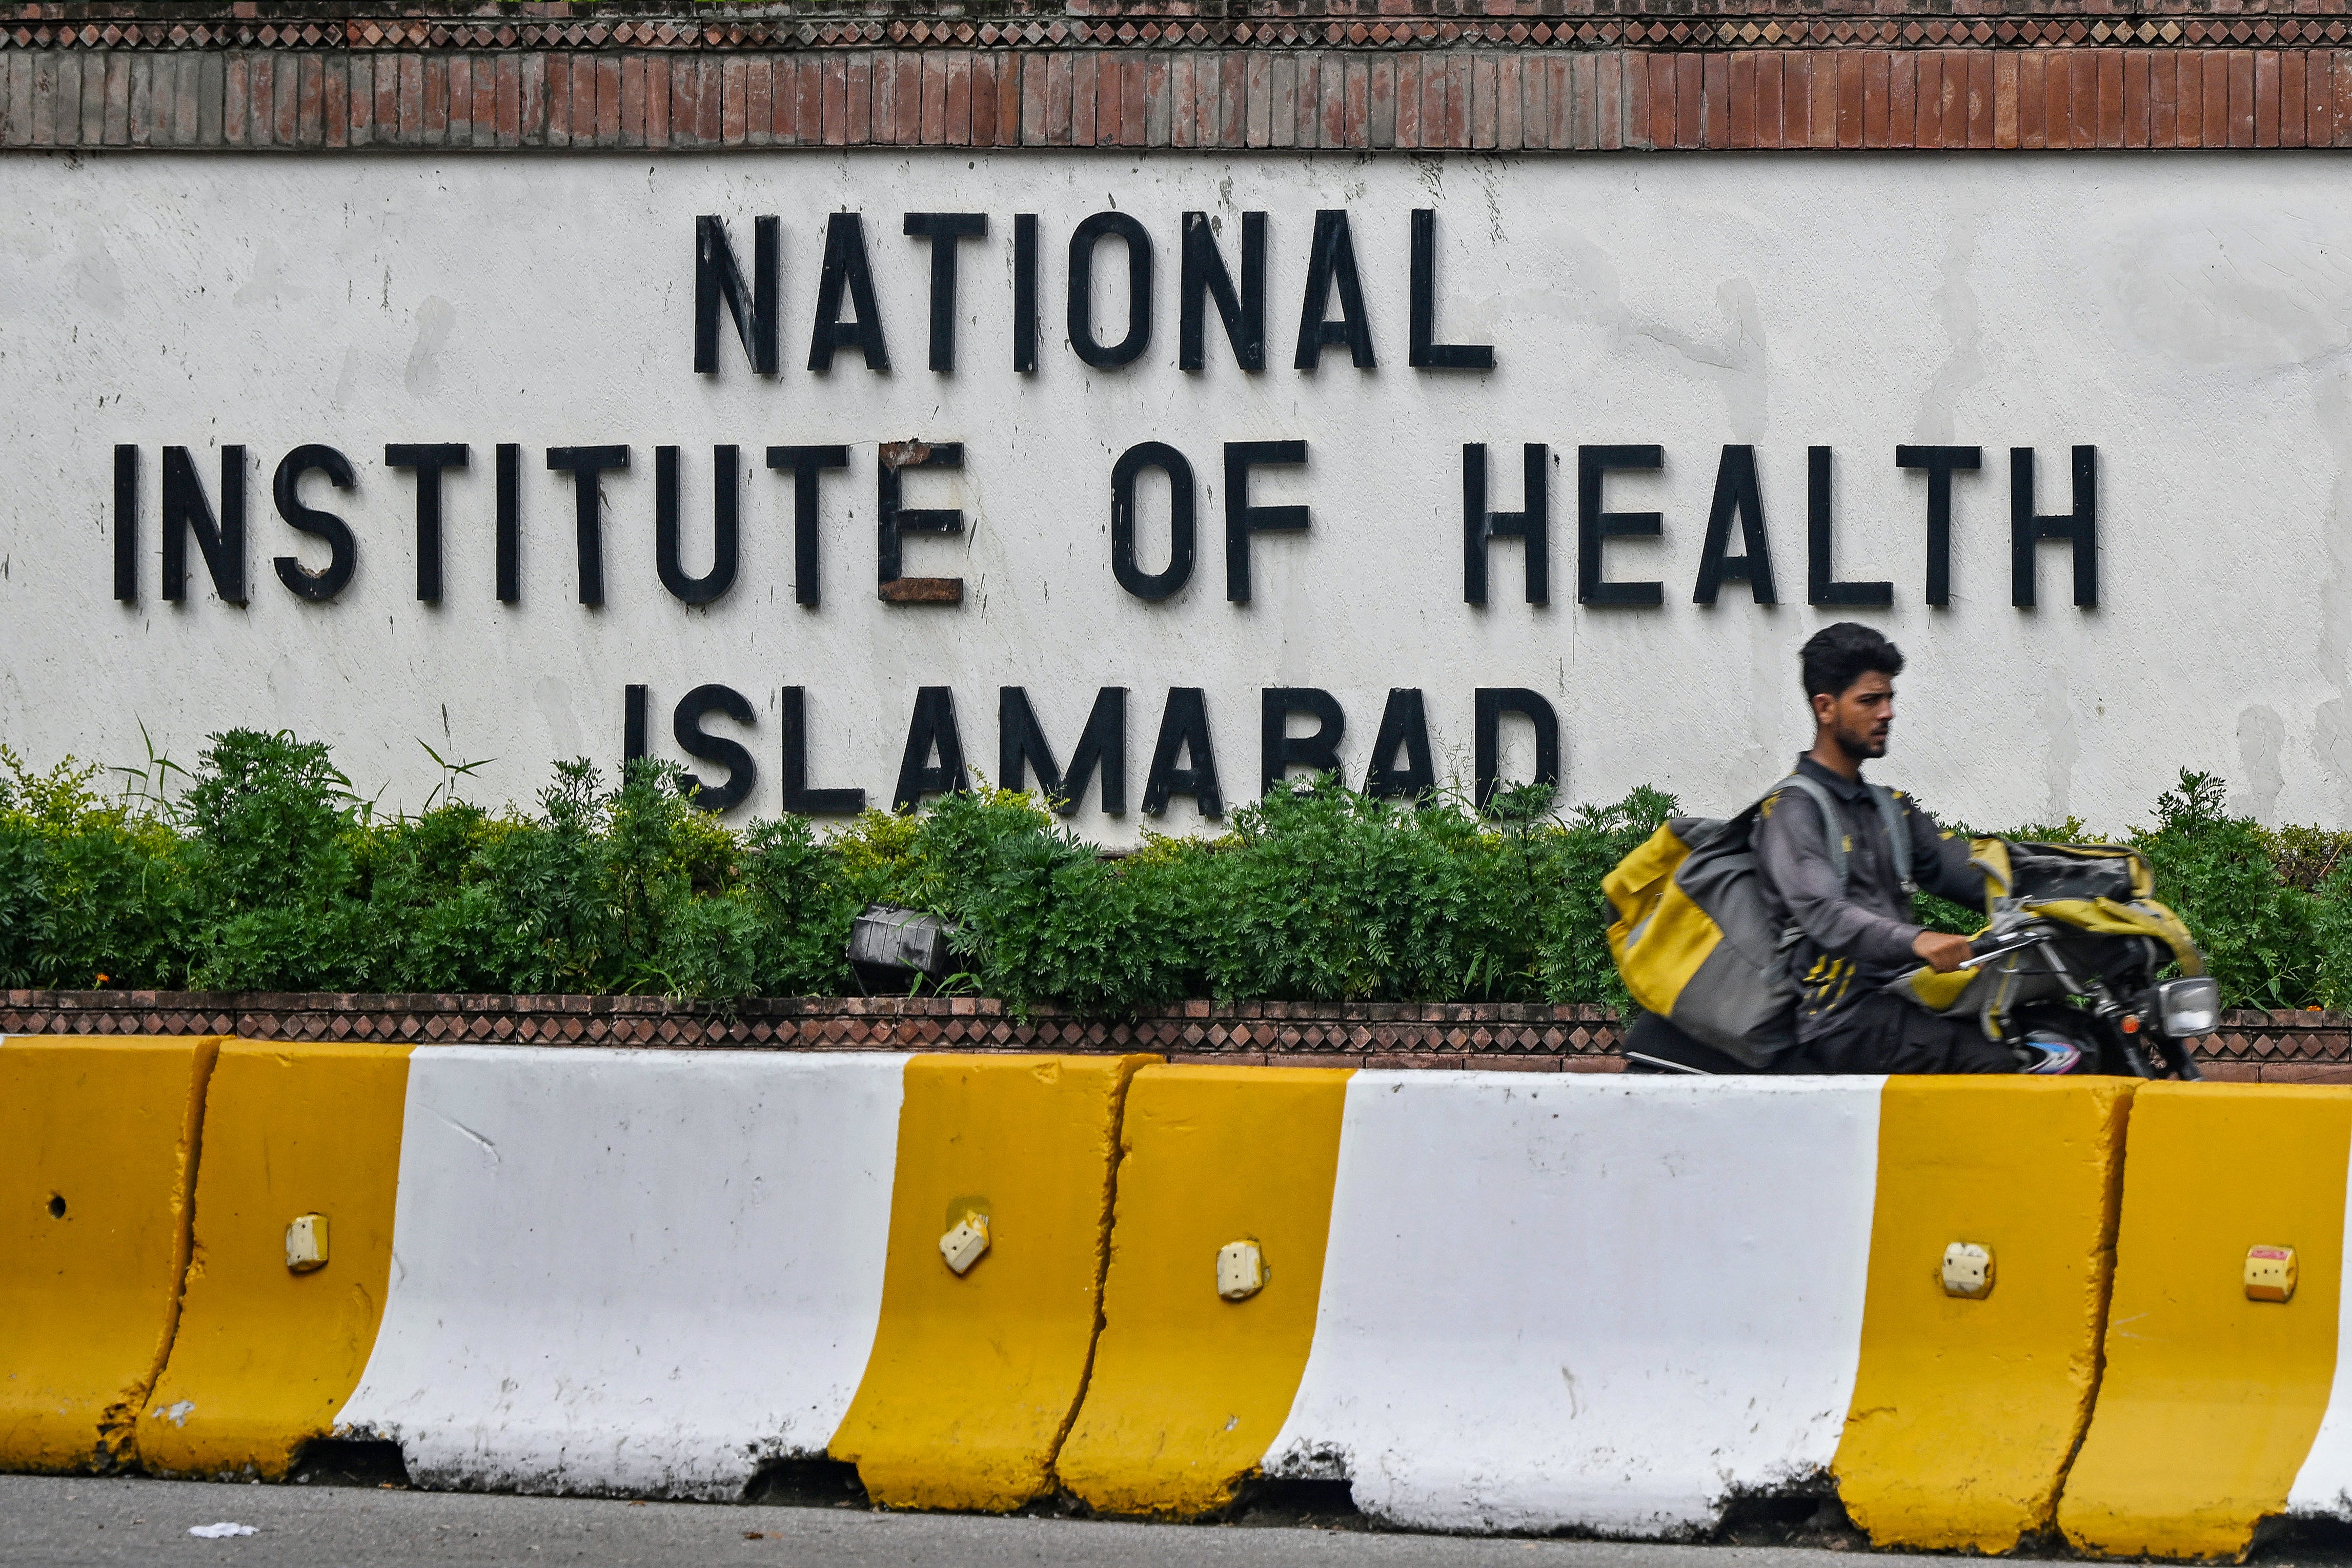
{"points": [[1824, 706]]}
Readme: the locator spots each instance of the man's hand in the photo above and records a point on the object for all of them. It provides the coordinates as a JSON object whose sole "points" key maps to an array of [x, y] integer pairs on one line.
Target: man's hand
{"points": [[1942, 951]]}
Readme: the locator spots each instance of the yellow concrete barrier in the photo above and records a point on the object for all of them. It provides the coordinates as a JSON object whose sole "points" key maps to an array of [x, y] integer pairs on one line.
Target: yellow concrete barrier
{"points": [[2211, 1401], [1965, 1411], [265, 1356], [974, 1377], [1189, 1389], [98, 1147]]}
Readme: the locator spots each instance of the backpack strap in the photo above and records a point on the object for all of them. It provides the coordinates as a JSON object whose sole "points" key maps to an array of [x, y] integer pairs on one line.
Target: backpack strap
{"points": [[1898, 835], [1832, 826], [1890, 815]]}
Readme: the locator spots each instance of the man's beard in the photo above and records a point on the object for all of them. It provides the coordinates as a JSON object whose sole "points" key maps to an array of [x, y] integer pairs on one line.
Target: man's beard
{"points": [[1860, 746]]}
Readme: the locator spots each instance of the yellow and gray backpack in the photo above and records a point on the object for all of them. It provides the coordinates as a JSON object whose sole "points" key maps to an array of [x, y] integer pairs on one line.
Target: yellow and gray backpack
{"points": [[1693, 940]]}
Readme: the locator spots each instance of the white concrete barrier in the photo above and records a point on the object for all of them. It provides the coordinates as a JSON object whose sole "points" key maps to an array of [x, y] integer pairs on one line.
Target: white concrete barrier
{"points": [[1496, 1301], [1593, 1302], [1499, 1301], [630, 1271]]}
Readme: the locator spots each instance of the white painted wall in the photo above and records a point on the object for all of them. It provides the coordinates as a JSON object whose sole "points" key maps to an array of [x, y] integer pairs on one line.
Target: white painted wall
{"points": [[2186, 314], [1587, 1302], [632, 1272]]}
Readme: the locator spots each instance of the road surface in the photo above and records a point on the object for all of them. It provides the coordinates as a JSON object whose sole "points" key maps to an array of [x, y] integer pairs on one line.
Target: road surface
{"points": [[85, 1523], [80, 1522]]}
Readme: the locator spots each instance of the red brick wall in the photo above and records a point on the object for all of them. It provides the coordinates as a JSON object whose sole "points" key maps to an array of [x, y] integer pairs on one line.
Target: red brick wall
{"points": [[1513, 74], [2294, 1048]]}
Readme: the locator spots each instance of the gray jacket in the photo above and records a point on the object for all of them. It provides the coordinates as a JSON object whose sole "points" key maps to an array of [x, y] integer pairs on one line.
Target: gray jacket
{"points": [[1857, 937]]}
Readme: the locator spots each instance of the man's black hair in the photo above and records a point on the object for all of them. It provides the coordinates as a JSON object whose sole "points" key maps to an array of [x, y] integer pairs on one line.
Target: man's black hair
{"points": [[1836, 656]]}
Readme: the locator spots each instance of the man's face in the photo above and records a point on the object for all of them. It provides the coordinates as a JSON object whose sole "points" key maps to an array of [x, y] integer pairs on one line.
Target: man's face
{"points": [[1857, 718]]}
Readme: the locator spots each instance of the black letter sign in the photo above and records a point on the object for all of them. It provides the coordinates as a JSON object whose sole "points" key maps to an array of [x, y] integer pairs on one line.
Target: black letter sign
{"points": [[1736, 493], [185, 508], [686, 725], [1183, 730], [1404, 727], [1082, 290], [1021, 748], [1595, 528], [342, 552], [1486, 745], [510, 523], [931, 730], [894, 522], [807, 464], [1821, 586], [1025, 292], [585, 465], [799, 799], [1205, 278], [1331, 261], [2080, 526], [1241, 519], [1151, 585], [669, 546], [1532, 523], [943, 229], [844, 268], [1279, 751], [429, 461], [1426, 352], [126, 523], [1939, 461], [718, 279]]}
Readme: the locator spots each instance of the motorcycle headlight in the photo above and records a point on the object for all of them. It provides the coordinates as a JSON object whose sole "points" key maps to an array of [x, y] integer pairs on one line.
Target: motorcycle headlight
{"points": [[2189, 1008]]}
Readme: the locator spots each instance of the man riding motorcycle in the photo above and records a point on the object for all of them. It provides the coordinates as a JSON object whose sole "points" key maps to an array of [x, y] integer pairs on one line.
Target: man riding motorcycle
{"points": [[1853, 933]]}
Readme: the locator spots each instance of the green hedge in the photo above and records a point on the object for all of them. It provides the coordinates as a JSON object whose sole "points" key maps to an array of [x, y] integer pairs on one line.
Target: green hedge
{"points": [[262, 870]]}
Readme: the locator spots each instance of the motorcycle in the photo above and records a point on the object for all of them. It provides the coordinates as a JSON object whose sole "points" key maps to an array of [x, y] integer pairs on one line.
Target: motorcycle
{"points": [[2074, 952]]}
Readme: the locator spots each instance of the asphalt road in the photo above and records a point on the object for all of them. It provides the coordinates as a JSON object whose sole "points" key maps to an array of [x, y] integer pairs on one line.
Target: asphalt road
{"points": [[79, 1522], [85, 1523]]}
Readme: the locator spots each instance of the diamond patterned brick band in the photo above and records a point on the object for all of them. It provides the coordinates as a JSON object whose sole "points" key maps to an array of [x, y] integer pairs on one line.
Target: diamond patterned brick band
{"points": [[2279, 1047]]}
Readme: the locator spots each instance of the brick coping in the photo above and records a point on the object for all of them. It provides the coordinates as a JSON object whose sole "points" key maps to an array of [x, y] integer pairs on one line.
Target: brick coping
{"points": [[2268, 1047], [1129, 25], [1455, 93]]}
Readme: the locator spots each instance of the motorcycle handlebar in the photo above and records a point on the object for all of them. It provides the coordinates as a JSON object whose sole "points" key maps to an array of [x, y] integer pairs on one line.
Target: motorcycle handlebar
{"points": [[1984, 948]]}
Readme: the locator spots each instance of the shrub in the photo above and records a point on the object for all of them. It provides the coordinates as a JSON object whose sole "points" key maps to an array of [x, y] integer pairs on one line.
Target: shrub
{"points": [[268, 872], [2258, 931], [92, 892]]}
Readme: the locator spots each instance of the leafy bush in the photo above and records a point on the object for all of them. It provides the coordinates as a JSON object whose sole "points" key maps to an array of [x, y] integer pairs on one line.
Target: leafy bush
{"points": [[2257, 930], [265, 871]]}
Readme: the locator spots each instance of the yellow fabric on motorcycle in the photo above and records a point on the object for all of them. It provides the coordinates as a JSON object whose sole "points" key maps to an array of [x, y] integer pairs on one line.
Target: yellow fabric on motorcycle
{"points": [[1939, 993], [1991, 857], [2141, 916]]}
